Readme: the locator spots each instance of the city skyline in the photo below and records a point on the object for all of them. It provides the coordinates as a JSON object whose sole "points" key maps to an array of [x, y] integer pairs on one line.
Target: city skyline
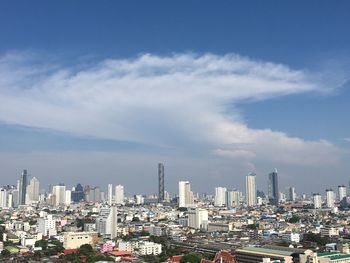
{"points": [[111, 90]]}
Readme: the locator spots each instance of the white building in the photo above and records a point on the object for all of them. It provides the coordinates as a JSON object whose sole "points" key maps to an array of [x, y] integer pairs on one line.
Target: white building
{"points": [[342, 193], [232, 198], [198, 218], [119, 194], [59, 191], [317, 200], [220, 196], [107, 221], [291, 237], [68, 197], [73, 240], [291, 194], [33, 190], [330, 198], [3, 198], [250, 187], [185, 194], [150, 248], [110, 194], [47, 226]]}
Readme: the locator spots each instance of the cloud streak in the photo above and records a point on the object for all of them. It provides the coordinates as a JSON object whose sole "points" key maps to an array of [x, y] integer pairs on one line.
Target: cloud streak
{"points": [[180, 100]]}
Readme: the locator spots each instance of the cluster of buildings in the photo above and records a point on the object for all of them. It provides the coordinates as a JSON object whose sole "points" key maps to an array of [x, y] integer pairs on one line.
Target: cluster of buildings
{"points": [[233, 225]]}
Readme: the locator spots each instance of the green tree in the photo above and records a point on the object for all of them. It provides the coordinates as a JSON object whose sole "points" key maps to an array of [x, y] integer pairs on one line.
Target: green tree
{"points": [[5, 253], [42, 243], [86, 249], [191, 258]]}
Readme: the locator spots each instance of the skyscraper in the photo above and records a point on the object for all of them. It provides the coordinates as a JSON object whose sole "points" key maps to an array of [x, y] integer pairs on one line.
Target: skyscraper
{"points": [[330, 198], [185, 194], [59, 192], [292, 194], [220, 196], [342, 194], [273, 193], [33, 190], [110, 194], [119, 194], [160, 182], [107, 221], [22, 191], [317, 201], [250, 189]]}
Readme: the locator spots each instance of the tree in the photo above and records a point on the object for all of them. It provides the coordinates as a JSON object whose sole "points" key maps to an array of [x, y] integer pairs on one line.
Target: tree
{"points": [[86, 249], [294, 219], [191, 258], [42, 243], [5, 253]]}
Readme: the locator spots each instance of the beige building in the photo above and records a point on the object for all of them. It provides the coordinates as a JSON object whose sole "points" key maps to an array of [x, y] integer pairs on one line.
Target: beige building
{"points": [[73, 240]]}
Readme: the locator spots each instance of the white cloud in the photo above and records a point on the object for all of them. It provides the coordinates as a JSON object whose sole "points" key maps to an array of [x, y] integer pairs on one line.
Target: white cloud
{"points": [[177, 100]]}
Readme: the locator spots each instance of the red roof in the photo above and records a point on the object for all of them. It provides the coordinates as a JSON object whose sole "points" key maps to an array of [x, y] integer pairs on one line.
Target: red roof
{"points": [[70, 251], [120, 253], [174, 259]]}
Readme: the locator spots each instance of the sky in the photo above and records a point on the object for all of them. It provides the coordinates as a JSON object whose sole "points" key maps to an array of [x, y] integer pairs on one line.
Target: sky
{"points": [[99, 93]]}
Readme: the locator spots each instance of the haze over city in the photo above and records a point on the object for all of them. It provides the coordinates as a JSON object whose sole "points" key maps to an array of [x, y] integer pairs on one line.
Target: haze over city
{"points": [[101, 94]]}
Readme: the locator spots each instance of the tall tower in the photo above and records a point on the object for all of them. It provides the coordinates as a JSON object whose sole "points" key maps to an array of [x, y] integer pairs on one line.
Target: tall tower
{"points": [[272, 189], [250, 189], [160, 182], [22, 191]]}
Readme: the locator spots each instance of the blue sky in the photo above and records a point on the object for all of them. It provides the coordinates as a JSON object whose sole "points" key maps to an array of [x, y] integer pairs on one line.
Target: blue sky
{"points": [[238, 77]]}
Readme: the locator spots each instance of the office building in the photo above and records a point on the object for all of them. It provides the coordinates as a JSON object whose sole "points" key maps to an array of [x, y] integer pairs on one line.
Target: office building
{"points": [[250, 191], [161, 182], [185, 194], [272, 189]]}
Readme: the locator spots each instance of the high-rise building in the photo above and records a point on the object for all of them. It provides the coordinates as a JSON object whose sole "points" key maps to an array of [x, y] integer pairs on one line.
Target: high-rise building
{"points": [[161, 182], [232, 199], [330, 198], [33, 190], [59, 192], [22, 188], [185, 194], [93, 194], [107, 221], [78, 193], [198, 218], [220, 196], [273, 193], [250, 189], [291, 194], [110, 194], [317, 199], [119, 194], [3, 198], [68, 197], [342, 195]]}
